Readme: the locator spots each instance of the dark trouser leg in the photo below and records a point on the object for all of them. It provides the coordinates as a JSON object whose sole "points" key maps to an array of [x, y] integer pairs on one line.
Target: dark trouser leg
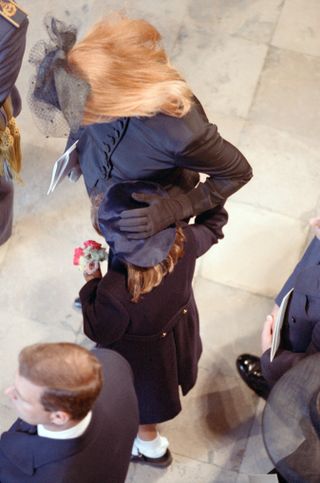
{"points": [[6, 209]]}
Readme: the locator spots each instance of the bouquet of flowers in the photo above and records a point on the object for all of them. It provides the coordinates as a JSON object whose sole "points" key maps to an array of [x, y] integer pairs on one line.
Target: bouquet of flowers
{"points": [[89, 256]]}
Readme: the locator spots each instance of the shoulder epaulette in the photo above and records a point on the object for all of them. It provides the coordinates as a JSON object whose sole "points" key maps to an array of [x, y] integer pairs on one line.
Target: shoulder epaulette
{"points": [[12, 12]]}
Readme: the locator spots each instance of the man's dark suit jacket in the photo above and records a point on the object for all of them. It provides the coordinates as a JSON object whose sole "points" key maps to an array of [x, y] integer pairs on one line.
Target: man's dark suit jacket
{"points": [[100, 455], [301, 331]]}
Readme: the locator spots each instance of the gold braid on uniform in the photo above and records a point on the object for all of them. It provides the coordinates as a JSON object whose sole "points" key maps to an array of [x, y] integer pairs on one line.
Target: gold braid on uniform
{"points": [[10, 150]]}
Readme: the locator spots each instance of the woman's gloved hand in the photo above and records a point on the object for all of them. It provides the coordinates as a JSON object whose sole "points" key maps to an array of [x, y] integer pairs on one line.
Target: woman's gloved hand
{"points": [[161, 213]]}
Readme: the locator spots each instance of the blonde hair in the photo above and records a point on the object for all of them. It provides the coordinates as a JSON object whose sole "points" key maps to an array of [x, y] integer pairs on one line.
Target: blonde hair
{"points": [[128, 72], [143, 280]]}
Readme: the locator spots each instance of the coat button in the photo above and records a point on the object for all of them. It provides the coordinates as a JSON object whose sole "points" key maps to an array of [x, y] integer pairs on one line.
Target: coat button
{"points": [[185, 311], [113, 139], [163, 334], [293, 320], [106, 170]]}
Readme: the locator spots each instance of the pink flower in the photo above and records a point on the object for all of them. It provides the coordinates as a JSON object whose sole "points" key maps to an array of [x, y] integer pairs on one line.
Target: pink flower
{"points": [[93, 244], [78, 252], [90, 253]]}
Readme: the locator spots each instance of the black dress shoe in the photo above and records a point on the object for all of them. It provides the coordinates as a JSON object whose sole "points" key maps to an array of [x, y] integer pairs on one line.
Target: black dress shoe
{"points": [[249, 368], [161, 462], [77, 304]]}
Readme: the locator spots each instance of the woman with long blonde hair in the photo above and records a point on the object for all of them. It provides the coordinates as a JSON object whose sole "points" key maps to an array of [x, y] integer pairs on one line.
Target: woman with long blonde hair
{"points": [[144, 308], [128, 72], [139, 120]]}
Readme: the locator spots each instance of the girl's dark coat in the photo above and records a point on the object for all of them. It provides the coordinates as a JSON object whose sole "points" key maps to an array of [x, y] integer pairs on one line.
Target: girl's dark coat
{"points": [[159, 335]]}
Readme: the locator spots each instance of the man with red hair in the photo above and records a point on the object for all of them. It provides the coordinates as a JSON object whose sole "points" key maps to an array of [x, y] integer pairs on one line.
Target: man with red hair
{"points": [[78, 417]]}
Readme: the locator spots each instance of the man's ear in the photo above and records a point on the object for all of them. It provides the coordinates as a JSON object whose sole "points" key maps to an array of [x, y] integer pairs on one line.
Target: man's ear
{"points": [[59, 418]]}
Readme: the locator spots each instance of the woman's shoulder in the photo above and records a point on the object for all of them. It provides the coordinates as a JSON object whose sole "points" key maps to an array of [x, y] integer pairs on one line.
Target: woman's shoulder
{"points": [[191, 120], [174, 133]]}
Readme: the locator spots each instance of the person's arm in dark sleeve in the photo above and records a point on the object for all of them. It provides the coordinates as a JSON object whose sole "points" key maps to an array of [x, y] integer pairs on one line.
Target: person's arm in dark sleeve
{"points": [[196, 145], [105, 320], [73, 137], [227, 169], [207, 228], [282, 362], [76, 171], [12, 47], [310, 257], [284, 359]]}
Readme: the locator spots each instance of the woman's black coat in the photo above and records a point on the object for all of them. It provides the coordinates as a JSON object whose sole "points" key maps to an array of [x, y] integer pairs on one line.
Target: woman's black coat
{"points": [[167, 150]]}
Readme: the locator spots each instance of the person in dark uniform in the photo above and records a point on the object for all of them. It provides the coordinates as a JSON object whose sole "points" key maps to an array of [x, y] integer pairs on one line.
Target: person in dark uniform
{"points": [[13, 29], [78, 417], [300, 335], [144, 308]]}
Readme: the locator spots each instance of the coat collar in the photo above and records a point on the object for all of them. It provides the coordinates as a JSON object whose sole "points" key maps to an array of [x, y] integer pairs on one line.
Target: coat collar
{"points": [[27, 451]]}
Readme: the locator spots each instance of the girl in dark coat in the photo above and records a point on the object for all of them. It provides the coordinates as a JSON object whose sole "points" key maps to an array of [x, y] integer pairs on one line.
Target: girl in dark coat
{"points": [[144, 308]]}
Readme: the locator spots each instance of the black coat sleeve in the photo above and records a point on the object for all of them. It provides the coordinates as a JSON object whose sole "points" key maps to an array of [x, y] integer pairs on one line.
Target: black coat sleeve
{"points": [[73, 137], [285, 359], [12, 47], [207, 228], [205, 151], [105, 319]]}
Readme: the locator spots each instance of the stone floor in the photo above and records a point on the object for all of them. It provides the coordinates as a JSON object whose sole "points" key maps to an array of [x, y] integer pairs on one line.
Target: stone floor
{"points": [[256, 67]]}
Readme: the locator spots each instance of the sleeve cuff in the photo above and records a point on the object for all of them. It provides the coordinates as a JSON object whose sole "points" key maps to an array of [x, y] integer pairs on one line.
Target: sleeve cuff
{"points": [[88, 289]]}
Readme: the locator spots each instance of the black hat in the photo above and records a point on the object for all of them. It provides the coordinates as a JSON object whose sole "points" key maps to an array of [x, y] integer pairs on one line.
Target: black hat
{"points": [[291, 422], [145, 252], [56, 96]]}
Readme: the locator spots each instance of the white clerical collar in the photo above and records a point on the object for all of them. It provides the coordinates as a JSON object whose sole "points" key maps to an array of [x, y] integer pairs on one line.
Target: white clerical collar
{"points": [[70, 433]]}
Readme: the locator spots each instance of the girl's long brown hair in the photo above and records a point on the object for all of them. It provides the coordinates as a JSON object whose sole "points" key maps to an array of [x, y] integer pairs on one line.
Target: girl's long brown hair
{"points": [[128, 72], [143, 280]]}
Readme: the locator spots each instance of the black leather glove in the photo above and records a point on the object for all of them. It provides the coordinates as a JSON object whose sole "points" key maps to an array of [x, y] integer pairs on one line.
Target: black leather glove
{"points": [[161, 213]]}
